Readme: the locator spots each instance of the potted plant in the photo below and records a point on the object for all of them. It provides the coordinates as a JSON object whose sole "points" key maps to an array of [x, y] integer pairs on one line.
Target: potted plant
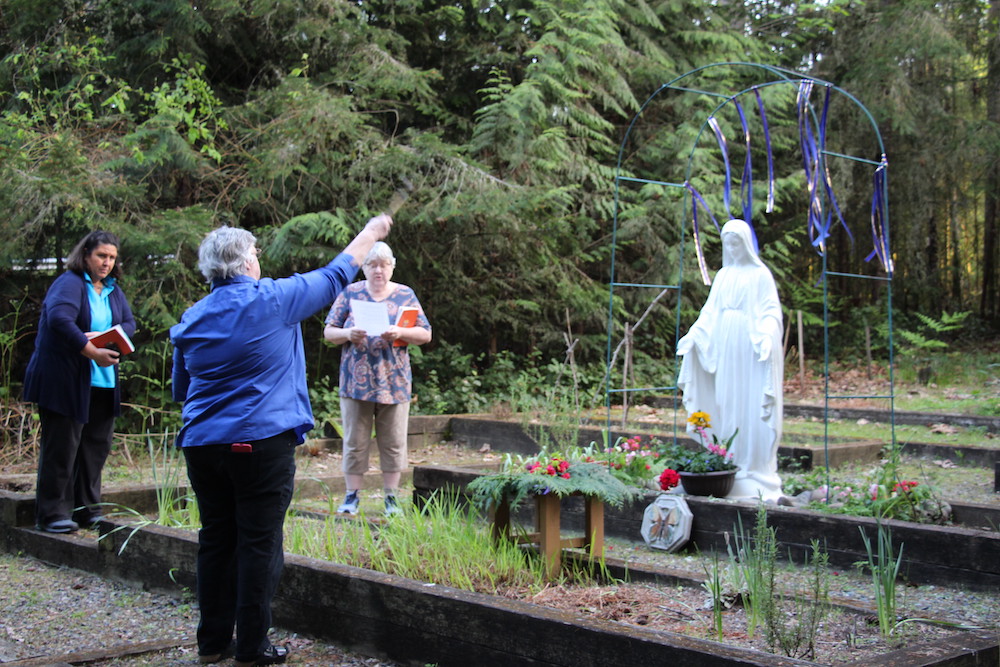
{"points": [[709, 471]]}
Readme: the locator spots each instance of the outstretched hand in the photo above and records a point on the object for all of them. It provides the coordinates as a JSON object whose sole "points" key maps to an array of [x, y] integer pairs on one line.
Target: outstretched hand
{"points": [[376, 229], [380, 226]]}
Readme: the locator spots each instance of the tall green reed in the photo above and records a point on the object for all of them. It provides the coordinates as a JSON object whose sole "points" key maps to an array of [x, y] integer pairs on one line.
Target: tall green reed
{"points": [[442, 543], [175, 504], [716, 589], [754, 560], [884, 566]]}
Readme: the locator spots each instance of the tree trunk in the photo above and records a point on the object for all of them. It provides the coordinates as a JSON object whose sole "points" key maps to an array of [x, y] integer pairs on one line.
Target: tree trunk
{"points": [[988, 305]]}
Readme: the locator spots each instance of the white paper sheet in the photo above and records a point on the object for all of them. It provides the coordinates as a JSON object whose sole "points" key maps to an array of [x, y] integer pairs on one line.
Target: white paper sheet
{"points": [[371, 316]]}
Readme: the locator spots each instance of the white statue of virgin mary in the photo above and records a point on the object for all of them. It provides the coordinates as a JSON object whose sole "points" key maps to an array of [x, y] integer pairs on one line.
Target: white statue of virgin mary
{"points": [[733, 364]]}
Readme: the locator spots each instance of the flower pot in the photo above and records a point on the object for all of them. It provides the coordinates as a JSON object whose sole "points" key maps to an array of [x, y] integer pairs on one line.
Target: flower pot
{"points": [[717, 484]]}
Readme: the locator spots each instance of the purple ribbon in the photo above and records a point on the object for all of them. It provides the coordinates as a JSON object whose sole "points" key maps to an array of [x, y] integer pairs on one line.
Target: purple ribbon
{"points": [[880, 231], [746, 183], [810, 162], [727, 189], [828, 180], [770, 154]]}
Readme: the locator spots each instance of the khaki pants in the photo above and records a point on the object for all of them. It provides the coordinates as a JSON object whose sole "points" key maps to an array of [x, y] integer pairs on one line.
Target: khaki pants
{"points": [[390, 422]]}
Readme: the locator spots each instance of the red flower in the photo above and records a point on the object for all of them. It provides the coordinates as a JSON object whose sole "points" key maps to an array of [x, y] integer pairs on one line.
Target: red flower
{"points": [[669, 479], [565, 475]]}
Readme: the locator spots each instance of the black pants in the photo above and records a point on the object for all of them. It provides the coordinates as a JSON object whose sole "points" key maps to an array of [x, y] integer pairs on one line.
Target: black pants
{"points": [[242, 499], [71, 460]]}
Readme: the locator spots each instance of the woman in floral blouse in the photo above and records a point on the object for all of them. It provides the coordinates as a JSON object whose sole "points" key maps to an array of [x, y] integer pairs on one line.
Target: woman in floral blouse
{"points": [[375, 376]]}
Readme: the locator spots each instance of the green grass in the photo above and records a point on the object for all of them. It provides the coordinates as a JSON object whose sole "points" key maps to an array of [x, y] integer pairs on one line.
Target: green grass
{"points": [[439, 544], [840, 428]]}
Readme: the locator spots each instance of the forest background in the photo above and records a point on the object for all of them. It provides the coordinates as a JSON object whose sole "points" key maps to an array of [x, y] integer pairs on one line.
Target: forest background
{"points": [[297, 119]]}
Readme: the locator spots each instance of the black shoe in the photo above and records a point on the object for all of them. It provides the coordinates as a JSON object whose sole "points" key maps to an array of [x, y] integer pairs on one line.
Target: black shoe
{"points": [[59, 526], [90, 522], [212, 658], [272, 655]]}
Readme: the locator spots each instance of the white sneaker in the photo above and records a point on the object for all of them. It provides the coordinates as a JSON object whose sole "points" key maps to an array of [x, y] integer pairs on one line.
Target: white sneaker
{"points": [[350, 504]]}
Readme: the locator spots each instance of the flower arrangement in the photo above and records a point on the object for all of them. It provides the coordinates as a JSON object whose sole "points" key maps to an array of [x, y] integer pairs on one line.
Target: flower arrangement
{"points": [[631, 460], [713, 457], [556, 466], [556, 473]]}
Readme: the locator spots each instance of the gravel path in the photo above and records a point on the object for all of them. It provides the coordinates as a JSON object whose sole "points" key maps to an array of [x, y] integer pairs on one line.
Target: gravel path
{"points": [[55, 615]]}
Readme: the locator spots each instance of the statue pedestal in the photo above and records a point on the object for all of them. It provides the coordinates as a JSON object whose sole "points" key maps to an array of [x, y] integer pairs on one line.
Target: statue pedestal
{"points": [[753, 489]]}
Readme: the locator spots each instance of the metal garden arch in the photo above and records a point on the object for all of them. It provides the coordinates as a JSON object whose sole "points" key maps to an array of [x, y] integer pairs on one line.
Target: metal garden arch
{"points": [[812, 113]]}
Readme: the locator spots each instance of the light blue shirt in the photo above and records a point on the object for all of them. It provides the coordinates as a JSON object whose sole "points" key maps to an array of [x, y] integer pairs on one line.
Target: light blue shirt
{"points": [[239, 365], [100, 319]]}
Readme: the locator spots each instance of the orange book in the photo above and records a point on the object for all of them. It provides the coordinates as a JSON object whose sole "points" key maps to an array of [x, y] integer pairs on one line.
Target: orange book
{"points": [[115, 338], [407, 317]]}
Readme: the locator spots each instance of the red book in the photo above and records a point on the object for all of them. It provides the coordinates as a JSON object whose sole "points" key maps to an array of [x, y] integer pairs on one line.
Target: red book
{"points": [[115, 338], [407, 317]]}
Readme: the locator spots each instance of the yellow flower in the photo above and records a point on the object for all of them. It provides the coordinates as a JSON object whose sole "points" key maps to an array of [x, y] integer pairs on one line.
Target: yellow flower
{"points": [[700, 419]]}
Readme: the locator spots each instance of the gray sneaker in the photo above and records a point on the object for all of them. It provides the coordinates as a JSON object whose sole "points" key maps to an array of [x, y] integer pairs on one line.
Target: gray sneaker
{"points": [[392, 507], [350, 504]]}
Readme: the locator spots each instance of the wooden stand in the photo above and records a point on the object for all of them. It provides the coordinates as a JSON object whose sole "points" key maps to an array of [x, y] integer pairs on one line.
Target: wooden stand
{"points": [[546, 535]]}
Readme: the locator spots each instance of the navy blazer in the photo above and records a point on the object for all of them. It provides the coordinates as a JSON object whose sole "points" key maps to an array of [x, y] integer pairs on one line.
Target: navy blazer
{"points": [[58, 375]]}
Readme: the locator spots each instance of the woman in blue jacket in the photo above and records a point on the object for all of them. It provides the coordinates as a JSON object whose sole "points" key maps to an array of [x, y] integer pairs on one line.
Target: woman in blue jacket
{"points": [[75, 383], [240, 371]]}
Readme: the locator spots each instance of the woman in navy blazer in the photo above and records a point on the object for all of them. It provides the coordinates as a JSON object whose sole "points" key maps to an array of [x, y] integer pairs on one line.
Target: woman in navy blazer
{"points": [[75, 383]]}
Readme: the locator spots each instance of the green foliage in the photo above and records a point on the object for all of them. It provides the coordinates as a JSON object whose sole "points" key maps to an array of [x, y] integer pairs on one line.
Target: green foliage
{"points": [[883, 564], [325, 400], [754, 559], [632, 461], [883, 493], [798, 639], [13, 329], [183, 111], [159, 120], [175, 506], [919, 342], [717, 591], [683, 458], [553, 475], [441, 544]]}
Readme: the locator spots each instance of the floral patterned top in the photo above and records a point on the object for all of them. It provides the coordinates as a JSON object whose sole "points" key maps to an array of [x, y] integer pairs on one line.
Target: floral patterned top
{"points": [[375, 370]]}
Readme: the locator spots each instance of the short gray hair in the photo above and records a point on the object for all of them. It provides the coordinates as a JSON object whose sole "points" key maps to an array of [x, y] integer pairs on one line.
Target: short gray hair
{"points": [[224, 253], [380, 252]]}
